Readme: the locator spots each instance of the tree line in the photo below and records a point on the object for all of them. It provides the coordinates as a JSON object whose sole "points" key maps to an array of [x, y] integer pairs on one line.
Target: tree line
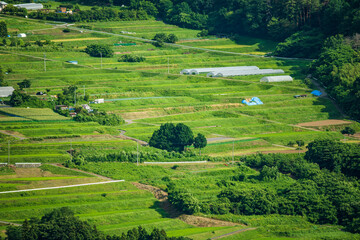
{"points": [[61, 223], [326, 189]]}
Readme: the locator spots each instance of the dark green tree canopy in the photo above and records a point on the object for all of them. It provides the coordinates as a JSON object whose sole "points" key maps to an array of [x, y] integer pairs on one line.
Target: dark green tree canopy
{"points": [[200, 141], [172, 138], [3, 29], [98, 50]]}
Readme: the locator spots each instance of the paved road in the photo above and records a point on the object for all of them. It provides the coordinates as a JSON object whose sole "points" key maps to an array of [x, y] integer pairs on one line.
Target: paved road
{"points": [[68, 186]]}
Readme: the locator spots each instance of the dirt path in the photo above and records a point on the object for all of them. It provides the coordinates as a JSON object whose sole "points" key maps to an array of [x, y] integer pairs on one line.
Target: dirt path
{"points": [[197, 221], [12, 133], [78, 170], [10, 223], [233, 233], [123, 136], [326, 95]]}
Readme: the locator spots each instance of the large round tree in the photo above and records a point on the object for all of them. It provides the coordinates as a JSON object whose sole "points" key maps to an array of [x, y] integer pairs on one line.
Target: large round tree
{"points": [[172, 138]]}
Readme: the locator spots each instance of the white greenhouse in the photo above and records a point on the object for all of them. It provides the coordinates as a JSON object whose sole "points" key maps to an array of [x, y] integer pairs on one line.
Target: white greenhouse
{"points": [[230, 73], [30, 6], [283, 78], [6, 91], [196, 71]]}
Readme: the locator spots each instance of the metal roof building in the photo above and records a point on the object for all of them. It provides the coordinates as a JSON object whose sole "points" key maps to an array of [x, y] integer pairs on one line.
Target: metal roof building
{"points": [[230, 73], [6, 91], [30, 6], [283, 78], [195, 71]]}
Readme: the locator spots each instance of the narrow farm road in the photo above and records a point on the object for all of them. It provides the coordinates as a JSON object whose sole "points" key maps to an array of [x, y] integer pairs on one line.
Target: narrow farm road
{"points": [[78, 170], [326, 95], [10, 223], [123, 136], [180, 45], [12, 134], [68, 186], [233, 233]]}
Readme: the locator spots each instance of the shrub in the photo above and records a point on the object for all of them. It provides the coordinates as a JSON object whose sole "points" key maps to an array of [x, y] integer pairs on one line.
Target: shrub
{"points": [[131, 58], [98, 50]]}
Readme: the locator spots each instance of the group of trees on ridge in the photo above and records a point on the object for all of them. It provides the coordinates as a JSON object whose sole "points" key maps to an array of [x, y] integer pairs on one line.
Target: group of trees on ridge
{"points": [[325, 190]]}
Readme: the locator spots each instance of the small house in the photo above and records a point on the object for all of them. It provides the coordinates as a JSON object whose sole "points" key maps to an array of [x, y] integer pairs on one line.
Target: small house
{"points": [[73, 114], [2, 5], [100, 100], [87, 108], [21, 35], [61, 107], [6, 91]]}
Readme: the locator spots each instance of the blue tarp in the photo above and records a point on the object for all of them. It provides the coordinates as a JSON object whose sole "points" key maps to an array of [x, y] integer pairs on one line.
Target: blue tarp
{"points": [[316, 92], [253, 101]]}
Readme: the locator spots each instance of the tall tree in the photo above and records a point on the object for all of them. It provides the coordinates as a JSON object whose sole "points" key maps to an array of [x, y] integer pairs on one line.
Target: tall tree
{"points": [[200, 142], [3, 29]]}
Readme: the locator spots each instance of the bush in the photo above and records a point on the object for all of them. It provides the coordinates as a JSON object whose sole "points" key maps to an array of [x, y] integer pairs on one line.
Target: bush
{"points": [[66, 30], [98, 50], [131, 58]]}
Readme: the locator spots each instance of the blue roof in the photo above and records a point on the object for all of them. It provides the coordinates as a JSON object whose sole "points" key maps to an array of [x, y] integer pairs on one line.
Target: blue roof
{"points": [[316, 92]]}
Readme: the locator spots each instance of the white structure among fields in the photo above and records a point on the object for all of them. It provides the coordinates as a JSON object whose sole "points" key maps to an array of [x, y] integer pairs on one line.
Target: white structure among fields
{"points": [[30, 6], [6, 91], [21, 35], [229, 73], [196, 71], [283, 78], [100, 100]]}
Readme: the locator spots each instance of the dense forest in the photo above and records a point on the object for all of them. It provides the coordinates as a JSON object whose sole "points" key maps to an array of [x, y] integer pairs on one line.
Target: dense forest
{"points": [[326, 189]]}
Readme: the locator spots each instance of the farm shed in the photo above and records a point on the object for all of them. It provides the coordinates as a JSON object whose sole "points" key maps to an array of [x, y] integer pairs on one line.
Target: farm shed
{"points": [[6, 91], [195, 71], [100, 100], [27, 165], [284, 78], [30, 6], [3, 164], [72, 62], [21, 35], [230, 73]]}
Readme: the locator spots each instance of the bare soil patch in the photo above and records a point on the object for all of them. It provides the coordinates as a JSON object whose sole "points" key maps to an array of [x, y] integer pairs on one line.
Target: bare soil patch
{"points": [[323, 123], [197, 221]]}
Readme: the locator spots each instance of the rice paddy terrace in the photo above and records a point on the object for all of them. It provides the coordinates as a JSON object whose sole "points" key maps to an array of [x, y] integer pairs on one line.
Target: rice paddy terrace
{"points": [[146, 95]]}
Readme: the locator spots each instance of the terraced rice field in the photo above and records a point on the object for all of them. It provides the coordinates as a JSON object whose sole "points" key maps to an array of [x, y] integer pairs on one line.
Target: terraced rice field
{"points": [[153, 92], [114, 207]]}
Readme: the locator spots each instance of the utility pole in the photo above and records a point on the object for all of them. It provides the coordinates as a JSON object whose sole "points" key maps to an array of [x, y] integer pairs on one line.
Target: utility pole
{"points": [[233, 152], [9, 153], [45, 62], [84, 90], [101, 59], [137, 154]]}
